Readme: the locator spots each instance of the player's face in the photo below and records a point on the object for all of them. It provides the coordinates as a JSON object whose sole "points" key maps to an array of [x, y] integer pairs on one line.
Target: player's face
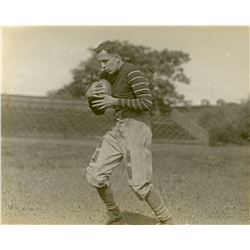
{"points": [[109, 62]]}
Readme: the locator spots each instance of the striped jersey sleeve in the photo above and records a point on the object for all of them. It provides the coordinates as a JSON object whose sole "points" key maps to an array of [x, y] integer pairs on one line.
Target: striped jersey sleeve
{"points": [[141, 91]]}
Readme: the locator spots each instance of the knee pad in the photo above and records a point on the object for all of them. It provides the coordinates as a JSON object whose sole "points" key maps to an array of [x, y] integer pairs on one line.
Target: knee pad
{"points": [[142, 191]]}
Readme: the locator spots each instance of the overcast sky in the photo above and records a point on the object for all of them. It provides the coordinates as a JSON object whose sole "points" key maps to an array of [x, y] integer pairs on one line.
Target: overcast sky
{"points": [[38, 59]]}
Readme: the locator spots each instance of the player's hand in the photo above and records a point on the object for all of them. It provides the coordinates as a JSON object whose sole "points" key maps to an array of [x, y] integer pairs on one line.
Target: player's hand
{"points": [[98, 91], [106, 102], [95, 90]]}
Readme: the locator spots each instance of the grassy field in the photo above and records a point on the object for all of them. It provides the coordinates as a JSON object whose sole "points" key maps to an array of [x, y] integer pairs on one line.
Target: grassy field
{"points": [[43, 182]]}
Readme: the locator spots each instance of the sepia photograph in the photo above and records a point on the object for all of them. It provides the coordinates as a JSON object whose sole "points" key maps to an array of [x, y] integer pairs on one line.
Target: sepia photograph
{"points": [[125, 125]]}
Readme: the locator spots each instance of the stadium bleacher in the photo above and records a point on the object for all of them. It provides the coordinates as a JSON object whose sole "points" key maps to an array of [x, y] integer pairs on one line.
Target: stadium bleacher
{"points": [[31, 117]]}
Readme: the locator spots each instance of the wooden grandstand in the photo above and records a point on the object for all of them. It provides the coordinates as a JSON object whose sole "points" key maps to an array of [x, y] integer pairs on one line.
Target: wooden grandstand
{"points": [[55, 118]]}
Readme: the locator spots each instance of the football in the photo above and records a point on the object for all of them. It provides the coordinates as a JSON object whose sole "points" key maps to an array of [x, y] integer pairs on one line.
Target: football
{"points": [[107, 91]]}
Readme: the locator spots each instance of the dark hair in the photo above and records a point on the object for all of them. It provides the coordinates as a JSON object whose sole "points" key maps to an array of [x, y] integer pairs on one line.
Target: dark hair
{"points": [[112, 47]]}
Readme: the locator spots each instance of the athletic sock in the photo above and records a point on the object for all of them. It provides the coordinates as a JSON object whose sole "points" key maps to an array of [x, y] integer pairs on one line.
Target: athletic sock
{"points": [[106, 195], [156, 203]]}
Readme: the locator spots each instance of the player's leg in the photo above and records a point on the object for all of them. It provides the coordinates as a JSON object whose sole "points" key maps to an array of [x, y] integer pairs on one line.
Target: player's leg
{"points": [[138, 160], [154, 200], [106, 156], [156, 203], [113, 212]]}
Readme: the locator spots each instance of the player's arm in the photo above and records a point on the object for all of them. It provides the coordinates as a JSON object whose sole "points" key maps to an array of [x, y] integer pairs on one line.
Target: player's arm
{"points": [[143, 97]]}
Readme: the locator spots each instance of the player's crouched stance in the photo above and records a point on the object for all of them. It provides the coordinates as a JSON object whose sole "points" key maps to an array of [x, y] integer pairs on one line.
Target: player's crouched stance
{"points": [[130, 139]]}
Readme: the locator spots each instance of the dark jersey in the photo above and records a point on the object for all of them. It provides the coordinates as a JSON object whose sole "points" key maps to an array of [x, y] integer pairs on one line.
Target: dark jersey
{"points": [[131, 89]]}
